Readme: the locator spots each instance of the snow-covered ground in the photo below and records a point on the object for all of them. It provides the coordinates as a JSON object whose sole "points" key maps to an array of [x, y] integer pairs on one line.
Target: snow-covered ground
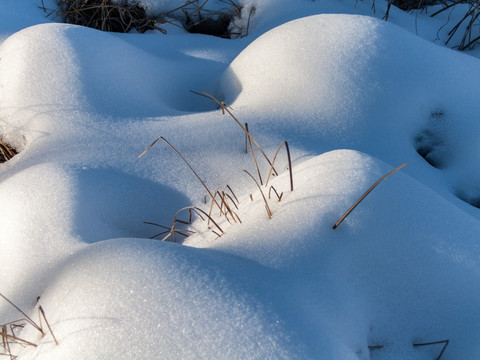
{"points": [[353, 95]]}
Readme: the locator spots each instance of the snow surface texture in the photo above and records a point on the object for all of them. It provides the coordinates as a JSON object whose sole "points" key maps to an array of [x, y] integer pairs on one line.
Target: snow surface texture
{"points": [[353, 95]]}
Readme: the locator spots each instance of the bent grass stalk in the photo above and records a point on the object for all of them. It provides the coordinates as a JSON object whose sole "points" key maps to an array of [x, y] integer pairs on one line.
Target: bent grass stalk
{"points": [[253, 155], [365, 195], [269, 212], [199, 212], [289, 164], [182, 232], [224, 106], [279, 197], [186, 162]]}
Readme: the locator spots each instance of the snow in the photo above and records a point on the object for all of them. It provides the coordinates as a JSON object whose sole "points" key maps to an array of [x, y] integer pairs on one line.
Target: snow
{"points": [[353, 95]]}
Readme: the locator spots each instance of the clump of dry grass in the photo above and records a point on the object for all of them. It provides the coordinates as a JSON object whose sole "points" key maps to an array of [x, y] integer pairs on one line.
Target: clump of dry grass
{"points": [[469, 23], [467, 26], [6, 152], [222, 197], [9, 331], [226, 109], [123, 16], [173, 230], [199, 19], [107, 15]]}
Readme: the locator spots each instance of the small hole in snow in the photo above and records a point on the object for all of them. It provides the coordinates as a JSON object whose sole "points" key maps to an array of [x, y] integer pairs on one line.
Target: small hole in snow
{"points": [[430, 143]]}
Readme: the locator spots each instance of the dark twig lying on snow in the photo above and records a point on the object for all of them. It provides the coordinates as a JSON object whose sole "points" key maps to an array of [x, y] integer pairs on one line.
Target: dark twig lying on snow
{"points": [[445, 342]]}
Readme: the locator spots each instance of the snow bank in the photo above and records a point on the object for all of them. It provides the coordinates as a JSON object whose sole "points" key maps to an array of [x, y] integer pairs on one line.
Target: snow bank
{"points": [[139, 298], [357, 82], [402, 268], [392, 272]]}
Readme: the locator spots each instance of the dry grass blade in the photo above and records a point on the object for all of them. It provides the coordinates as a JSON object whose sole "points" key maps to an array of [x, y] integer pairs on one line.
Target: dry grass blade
{"points": [[279, 197], [18, 340], [227, 206], [231, 199], [445, 342], [183, 232], [253, 155], [231, 191], [199, 212], [269, 212], [11, 337], [42, 313], [5, 343], [468, 23], [365, 195], [27, 318], [186, 162], [215, 191], [224, 202], [246, 138], [225, 108], [289, 164]]}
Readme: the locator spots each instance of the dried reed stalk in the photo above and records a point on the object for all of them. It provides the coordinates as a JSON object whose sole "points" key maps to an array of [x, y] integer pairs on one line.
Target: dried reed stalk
{"points": [[225, 108], [199, 212], [289, 164], [365, 195], [269, 212], [186, 162], [279, 197]]}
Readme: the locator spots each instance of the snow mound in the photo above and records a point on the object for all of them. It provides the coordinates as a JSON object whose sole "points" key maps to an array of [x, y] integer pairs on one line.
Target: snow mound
{"points": [[139, 298], [396, 264], [360, 83]]}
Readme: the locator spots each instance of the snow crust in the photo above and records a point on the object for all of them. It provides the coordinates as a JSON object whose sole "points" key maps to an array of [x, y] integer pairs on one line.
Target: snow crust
{"points": [[353, 95]]}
